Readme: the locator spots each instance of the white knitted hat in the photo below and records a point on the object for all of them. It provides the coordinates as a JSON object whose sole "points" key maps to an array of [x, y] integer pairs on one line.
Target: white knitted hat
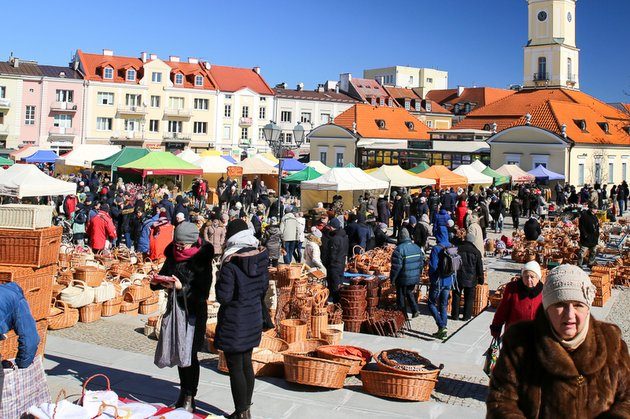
{"points": [[532, 266], [568, 283]]}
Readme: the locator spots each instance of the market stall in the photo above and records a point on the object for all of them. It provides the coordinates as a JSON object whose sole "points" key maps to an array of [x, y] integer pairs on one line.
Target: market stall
{"points": [[319, 166], [499, 179], [42, 156], [443, 177], [517, 174], [543, 174], [23, 152], [303, 175], [256, 166], [474, 177], [478, 165], [213, 168], [189, 155], [267, 158], [397, 177], [26, 180], [124, 156], [419, 168], [83, 156], [344, 181], [160, 163], [5, 162], [291, 165]]}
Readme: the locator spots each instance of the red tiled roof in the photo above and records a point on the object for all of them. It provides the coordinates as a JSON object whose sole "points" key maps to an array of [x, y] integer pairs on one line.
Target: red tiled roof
{"points": [[190, 70], [626, 106], [482, 96], [405, 93], [368, 88], [232, 79], [396, 120]]}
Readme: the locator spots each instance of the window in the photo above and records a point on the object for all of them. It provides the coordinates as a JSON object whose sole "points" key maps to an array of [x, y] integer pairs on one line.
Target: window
{"points": [[407, 104], [30, 115], [604, 126], [581, 174], [175, 127], [245, 112], [286, 138], [598, 173], [132, 125], [200, 128], [179, 78], [104, 124], [228, 96], [133, 99], [176, 102], [262, 113], [227, 112], [305, 117], [131, 74], [154, 125], [156, 77], [201, 104], [64, 95], [339, 158], [1, 118], [227, 132], [155, 101], [611, 173], [261, 134], [198, 80], [542, 68], [539, 160], [429, 124], [285, 116], [105, 98], [411, 80], [429, 80], [3, 92], [570, 75], [244, 133], [324, 118], [64, 121], [624, 171], [381, 101], [108, 73], [513, 159]]}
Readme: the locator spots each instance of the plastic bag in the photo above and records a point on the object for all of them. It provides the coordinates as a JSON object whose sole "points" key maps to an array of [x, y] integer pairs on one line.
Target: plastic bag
{"points": [[492, 354]]}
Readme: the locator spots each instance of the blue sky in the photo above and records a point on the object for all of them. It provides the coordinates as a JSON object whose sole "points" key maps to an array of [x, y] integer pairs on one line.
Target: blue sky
{"points": [[480, 42]]}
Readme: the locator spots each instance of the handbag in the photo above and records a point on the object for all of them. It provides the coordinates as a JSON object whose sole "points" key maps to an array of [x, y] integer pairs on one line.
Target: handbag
{"points": [[104, 292], [177, 332], [23, 388], [492, 354], [77, 296]]}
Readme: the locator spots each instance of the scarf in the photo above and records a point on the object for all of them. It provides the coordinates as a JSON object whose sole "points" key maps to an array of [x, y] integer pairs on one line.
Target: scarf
{"points": [[239, 241], [572, 344], [185, 254], [526, 292]]}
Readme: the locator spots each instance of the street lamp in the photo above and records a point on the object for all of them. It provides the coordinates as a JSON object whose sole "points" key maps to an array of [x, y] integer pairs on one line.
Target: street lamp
{"points": [[271, 132]]}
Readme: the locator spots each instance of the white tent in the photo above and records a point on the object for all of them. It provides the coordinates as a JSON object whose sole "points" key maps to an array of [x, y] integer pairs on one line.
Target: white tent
{"points": [[478, 166], [265, 159], [319, 166], [189, 156], [83, 156], [257, 166], [397, 177], [22, 180], [212, 164], [473, 175], [344, 181]]}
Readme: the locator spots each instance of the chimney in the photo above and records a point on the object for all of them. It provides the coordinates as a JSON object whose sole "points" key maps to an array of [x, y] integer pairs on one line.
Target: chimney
{"points": [[337, 88], [207, 65], [460, 90], [192, 60], [173, 58], [143, 56], [344, 81], [153, 56], [300, 87], [108, 52], [256, 70], [16, 62], [320, 88]]}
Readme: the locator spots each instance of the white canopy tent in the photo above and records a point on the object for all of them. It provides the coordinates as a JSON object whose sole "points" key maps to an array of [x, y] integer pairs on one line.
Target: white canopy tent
{"points": [[396, 176], [24, 180], [478, 165], [83, 156], [189, 155], [344, 181], [212, 164], [319, 166], [257, 166], [473, 175]]}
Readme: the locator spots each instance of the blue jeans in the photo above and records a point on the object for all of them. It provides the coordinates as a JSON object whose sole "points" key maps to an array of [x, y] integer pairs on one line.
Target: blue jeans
{"points": [[128, 241], [290, 247], [438, 302]]}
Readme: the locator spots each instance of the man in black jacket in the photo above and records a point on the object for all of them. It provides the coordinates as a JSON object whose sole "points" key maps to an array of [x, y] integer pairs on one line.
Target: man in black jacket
{"points": [[334, 251], [532, 229], [170, 208], [589, 233], [469, 275]]}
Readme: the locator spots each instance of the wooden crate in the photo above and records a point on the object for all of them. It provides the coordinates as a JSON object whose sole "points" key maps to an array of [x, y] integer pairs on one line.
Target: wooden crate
{"points": [[31, 248], [9, 346]]}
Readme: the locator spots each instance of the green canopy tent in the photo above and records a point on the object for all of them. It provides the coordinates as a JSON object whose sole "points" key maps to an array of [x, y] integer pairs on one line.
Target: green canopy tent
{"points": [[499, 179], [5, 162], [419, 168], [124, 156], [350, 165], [298, 177], [160, 163]]}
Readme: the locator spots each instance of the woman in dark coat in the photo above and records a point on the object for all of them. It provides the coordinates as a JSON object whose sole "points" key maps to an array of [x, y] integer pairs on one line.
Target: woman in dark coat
{"points": [[190, 264], [241, 285]]}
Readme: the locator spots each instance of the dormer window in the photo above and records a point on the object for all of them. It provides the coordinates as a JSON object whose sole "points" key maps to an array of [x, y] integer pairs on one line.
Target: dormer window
{"points": [[179, 78], [407, 105], [487, 127], [581, 124], [410, 125], [380, 123], [198, 80], [627, 129], [418, 106], [467, 108], [390, 102], [428, 106], [604, 126], [373, 101], [108, 73], [131, 75], [457, 108], [382, 101]]}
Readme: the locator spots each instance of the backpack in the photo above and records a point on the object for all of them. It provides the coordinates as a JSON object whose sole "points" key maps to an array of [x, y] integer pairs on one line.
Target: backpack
{"points": [[80, 217], [449, 261]]}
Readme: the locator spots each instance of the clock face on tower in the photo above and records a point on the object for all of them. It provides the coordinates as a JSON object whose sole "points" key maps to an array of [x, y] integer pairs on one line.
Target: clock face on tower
{"points": [[569, 17], [542, 16]]}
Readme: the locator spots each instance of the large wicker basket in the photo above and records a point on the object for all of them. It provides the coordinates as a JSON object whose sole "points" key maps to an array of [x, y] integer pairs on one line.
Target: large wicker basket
{"points": [[424, 367], [112, 307], [25, 217], [62, 316], [293, 330], [332, 336], [91, 275], [90, 313], [304, 347], [36, 284], [314, 371], [355, 363], [33, 248], [9, 345], [398, 386], [481, 301]]}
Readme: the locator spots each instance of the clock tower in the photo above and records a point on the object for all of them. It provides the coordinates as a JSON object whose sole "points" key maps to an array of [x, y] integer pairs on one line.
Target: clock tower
{"points": [[551, 56]]}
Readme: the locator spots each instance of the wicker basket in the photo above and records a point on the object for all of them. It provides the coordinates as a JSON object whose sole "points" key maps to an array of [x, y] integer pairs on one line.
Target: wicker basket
{"points": [[33, 248], [314, 371], [128, 305], [91, 275], [25, 217], [398, 386], [9, 346], [332, 336], [147, 308], [265, 363], [293, 330], [306, 346], [318, 323], [497, 296], [140, 290], [355, 363], [424, 368], [36, 284], [481, 299], [112, 307], [90, 313], [271, 343], [62, 316]]}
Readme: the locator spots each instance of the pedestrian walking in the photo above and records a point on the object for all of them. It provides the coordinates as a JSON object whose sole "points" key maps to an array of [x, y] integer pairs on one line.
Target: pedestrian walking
{"points": [[441, 276], [469, 275], [589, 234], [407, 262]]}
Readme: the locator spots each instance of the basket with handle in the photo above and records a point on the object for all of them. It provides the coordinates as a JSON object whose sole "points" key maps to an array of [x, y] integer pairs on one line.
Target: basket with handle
{"points": [[273, 343], [398, 386], [348, 355], [416, 364], [90, 313], [332, 336], [112, 307], [91, 275], [128, 305], [293, 330], [139, 290], [62, 316], [77, 295], [93, 400], [32, 248], [104, 292], [314, 371]]}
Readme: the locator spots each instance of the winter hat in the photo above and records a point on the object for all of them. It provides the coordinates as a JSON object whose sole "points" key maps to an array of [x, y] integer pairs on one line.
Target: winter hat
{"points": [[235, 226], [568, 283], [105, 207], [403, 235], [238, 205], [532, 266], [450, 223], [316, 232], [179, 217], [186, 233], [335, 223], [412, 220]]}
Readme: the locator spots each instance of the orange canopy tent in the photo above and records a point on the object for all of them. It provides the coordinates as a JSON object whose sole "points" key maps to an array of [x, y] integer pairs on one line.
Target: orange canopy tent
{"points": [[444, 178]]}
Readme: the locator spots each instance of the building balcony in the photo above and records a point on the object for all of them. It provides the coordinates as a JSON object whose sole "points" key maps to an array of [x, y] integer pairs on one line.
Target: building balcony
{"points": [[245, 122], [541, 77], [133, 110], [4, 129], [5, 103], [177, 113], [130, 138], [61, 132], [177, 137], [63, 107], [571, 79]]}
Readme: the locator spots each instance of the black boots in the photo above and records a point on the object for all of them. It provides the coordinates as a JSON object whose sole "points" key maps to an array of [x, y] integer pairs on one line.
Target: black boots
{"points": [[186, 401], [243, 415]]}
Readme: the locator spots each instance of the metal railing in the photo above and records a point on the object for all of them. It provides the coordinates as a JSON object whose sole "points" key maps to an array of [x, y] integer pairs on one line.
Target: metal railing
{"points": [[182, 113], [61, 131], [541, 77], [63, 106]]}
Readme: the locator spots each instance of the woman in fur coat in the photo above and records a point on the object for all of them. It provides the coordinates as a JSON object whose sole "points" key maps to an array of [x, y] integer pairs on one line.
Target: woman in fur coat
{"points": [[563, 364]]}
